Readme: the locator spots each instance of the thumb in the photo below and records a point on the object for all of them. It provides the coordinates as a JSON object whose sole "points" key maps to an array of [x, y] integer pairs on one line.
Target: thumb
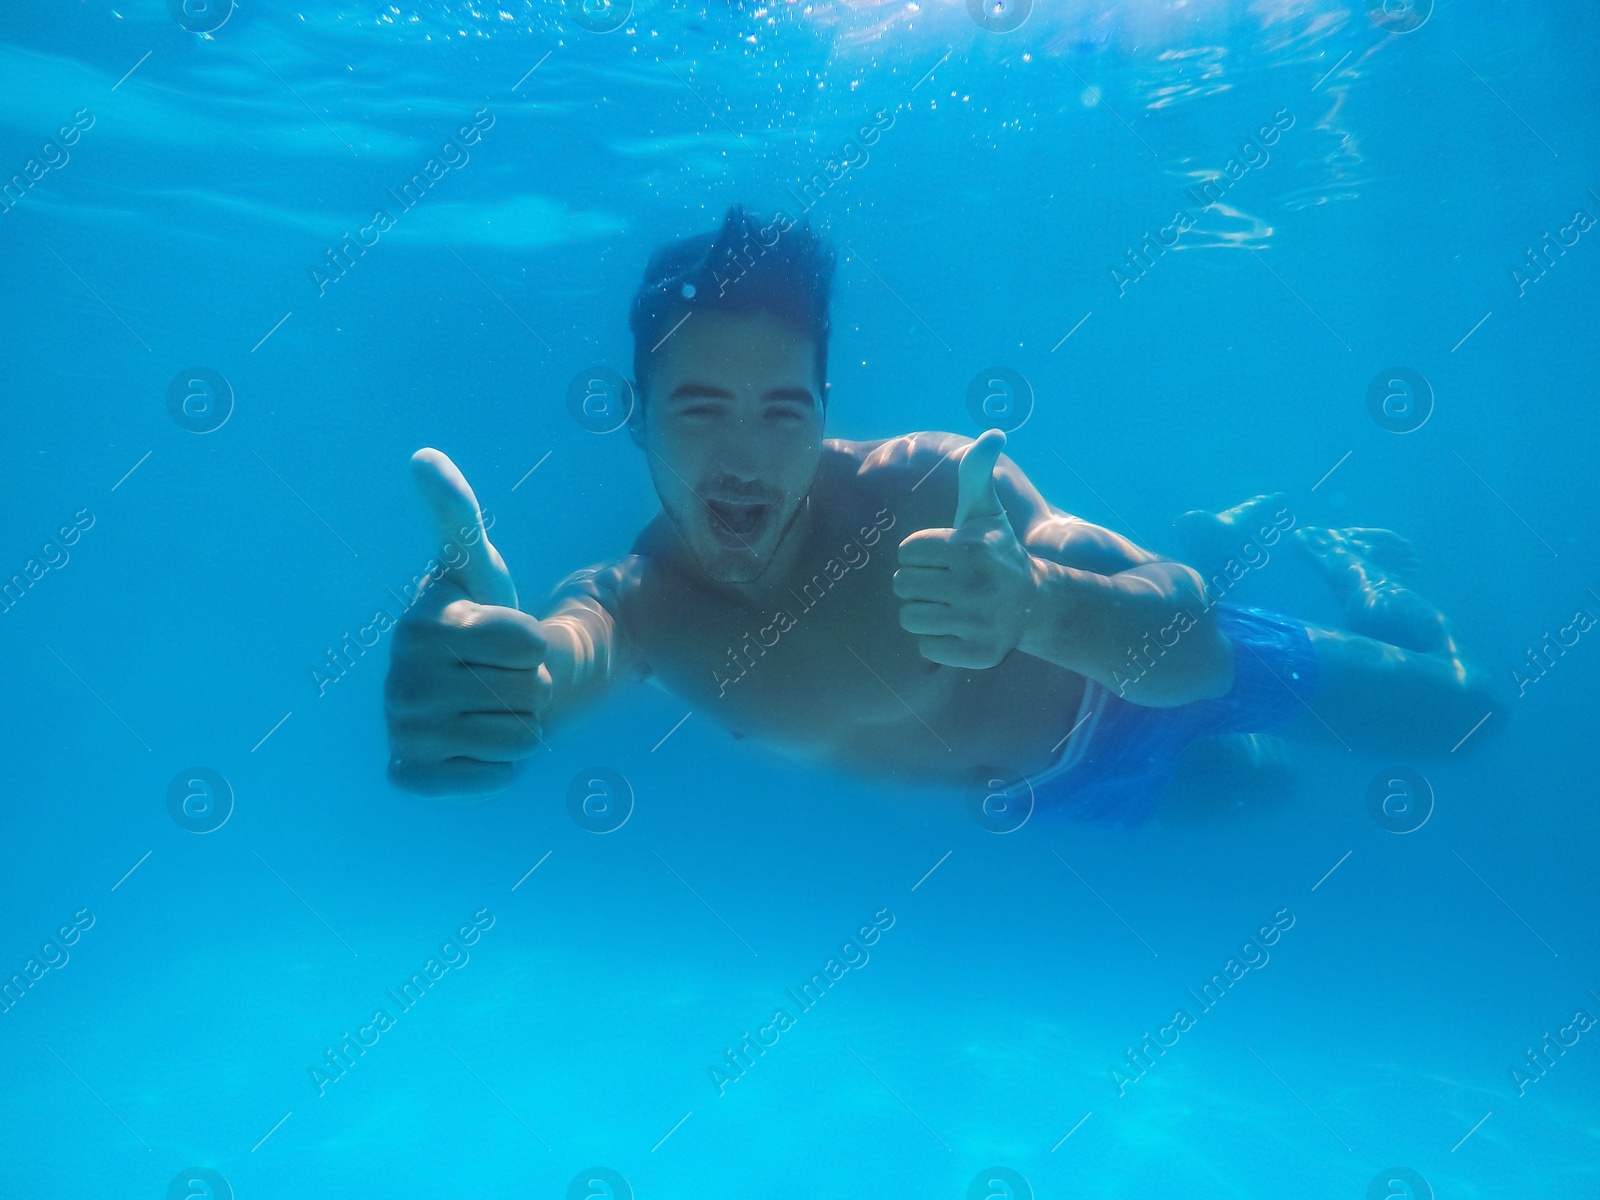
{"points": [[455, 515], [976, 499]]}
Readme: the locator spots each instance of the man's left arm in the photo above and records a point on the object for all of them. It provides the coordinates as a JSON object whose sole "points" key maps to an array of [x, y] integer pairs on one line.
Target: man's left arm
{"points": [[1015, 574]]}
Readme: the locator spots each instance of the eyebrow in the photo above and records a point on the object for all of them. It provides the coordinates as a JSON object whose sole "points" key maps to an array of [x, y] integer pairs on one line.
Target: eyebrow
{"points": [[799, 395], [699, 391], [703, 391]]}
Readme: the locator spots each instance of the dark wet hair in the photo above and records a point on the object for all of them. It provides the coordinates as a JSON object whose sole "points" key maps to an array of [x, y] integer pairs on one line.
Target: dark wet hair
{"points": [[781, 268]]}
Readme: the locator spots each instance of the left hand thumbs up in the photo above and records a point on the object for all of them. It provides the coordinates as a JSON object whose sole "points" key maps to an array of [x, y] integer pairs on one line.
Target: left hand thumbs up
{"points": [[976, 499], [967, 589]]}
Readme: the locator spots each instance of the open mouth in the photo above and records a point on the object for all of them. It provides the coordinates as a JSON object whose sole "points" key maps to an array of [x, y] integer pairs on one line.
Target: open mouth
{"points": [[738, 526]]}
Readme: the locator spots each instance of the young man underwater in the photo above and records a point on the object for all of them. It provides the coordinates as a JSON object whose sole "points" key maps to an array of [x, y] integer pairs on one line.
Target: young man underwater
{"points": [[910, 608]]}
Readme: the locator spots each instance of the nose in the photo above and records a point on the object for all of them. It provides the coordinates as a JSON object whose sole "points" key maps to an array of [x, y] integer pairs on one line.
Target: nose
{"points": [[738, 458]]}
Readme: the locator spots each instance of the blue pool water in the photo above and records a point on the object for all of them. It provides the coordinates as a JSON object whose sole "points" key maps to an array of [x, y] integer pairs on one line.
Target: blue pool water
{"points": [[178, 590]]}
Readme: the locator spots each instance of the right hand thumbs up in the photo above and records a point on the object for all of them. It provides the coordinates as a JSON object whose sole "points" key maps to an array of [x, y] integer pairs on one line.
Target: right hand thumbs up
{"points": [[467, 681], [450, 502]]}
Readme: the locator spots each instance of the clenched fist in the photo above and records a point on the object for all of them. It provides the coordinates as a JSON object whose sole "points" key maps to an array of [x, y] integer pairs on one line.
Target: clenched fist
{"points": [[467, 681], [969, 589]]}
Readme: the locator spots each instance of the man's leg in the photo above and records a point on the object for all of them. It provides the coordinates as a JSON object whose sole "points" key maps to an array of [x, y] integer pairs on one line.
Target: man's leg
{"points": [[1209, 541], [1396, 678]]}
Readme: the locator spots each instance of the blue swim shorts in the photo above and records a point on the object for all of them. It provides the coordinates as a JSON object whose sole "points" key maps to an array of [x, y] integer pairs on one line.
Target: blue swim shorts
{"points": [[1121, 757]]}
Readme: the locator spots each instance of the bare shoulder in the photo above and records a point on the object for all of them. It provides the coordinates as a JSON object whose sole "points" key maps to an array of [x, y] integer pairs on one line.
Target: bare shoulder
{"points": [[609, 584], [910, 454], [914, 474], [919, 470]]}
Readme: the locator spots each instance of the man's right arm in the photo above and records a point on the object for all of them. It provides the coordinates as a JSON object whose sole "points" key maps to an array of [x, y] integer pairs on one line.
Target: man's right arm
{"points": [[586, 648], [472, 679], [472, 688]]}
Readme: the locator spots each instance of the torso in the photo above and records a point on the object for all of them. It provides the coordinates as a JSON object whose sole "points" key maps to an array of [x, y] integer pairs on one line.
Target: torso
{"points": [[841, 681]]}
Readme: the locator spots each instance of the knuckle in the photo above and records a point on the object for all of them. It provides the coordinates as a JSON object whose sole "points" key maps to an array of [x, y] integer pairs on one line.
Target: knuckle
{"points": [[523, 636], [499, 736], [405, 690], [462, 614], [525, 739]]}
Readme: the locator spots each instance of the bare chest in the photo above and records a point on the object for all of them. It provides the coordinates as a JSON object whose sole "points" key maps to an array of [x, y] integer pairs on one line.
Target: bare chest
{"points": [[815, 664]]}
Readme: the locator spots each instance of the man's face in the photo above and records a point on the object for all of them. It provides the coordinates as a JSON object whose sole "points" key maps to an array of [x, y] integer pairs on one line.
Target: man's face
{"points": [[732, 427]]}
